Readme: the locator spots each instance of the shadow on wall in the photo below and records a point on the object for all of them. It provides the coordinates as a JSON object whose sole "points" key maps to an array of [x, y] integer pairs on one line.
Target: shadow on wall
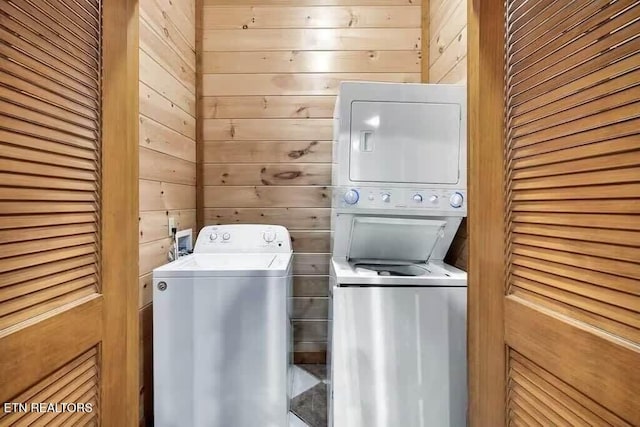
{"points": [[458, 252]]}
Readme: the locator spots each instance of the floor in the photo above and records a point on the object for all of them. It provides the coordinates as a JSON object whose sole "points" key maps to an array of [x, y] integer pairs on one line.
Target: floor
{"points": [[309, 401]]}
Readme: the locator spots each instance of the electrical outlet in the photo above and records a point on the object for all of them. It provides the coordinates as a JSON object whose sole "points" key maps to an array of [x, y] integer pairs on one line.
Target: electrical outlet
{"points": [[172, 225]]}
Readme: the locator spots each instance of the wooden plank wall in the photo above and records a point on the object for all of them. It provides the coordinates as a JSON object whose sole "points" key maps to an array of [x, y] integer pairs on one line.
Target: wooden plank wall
{"points": [[448, 64], [270, 73], [167, 149], [448, 41]]}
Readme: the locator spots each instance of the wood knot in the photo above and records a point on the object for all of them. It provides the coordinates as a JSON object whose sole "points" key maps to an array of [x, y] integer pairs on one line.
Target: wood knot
{"points": [[288, 175]]}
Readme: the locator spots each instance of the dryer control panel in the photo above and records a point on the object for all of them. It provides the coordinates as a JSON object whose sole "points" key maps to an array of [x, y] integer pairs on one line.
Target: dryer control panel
{"points": [[243, 238], [449, 200]]}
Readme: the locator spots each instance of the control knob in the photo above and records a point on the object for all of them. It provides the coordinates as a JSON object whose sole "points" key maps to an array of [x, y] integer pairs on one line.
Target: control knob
{"points": [[417, 198], [269, 236], [433, 199], [456, 200], [213, 236], [351, 197], [226, 236], [386, 197]]}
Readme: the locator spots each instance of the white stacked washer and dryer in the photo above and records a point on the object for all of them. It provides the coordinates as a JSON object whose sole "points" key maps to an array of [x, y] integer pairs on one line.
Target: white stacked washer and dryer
{"points": [[397, 348]]}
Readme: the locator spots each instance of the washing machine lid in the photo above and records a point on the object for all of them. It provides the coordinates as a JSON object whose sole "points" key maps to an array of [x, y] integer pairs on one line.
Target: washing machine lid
{"points": [[436, 274], [384, 239], [227, 265]]}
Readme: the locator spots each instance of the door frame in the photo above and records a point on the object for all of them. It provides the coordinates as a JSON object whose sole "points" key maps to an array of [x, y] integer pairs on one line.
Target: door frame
{"points": [[119, 257], [485, 85]]}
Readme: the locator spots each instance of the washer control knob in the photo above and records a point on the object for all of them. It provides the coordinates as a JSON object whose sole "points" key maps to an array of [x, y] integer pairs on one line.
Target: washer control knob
{"points": [[213, 236], [417, 198], [456, 200], [433, 199], [351, 197], [269, 236], [226, 236], [386, 197]]}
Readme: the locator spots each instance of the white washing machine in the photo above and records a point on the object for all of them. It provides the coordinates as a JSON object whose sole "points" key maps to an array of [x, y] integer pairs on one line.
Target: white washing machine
{"points": [[222, 337], [398, 328]]}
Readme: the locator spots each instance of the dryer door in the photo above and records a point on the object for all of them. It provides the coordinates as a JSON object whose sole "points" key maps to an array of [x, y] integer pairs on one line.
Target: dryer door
{"points": [[404, 142]]}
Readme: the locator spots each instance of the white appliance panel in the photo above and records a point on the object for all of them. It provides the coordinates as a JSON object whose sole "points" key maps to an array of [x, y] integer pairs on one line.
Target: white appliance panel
{"points": [[404, 142], [398, 356], [243, 238], [381, 244], [227, 265], [221, 352], [385, 238]]}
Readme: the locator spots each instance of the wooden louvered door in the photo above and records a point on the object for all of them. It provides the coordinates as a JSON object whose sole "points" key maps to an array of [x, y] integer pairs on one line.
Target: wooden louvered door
{"points": [[572, 175], [68, 212], [554, 187]]}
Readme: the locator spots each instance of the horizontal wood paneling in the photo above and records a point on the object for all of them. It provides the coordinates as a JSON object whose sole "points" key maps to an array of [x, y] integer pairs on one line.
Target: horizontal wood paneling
{"points": [[153, 254], [145, 290], [271, 71], [155, 107], [267, 129], [292, 218], [454, 54], [267, 174], [448, 65], [181, 14], [310, 286], [152, 42], [311, 241], [156, 136], [310, 307], [153, 224], [310, 352], [312, 2], [267, 107], [272, 196], [155, 76], [158, 166], [252, 17], [311, 39], [167, 132], [447, 23], [163, 25], [292, 84], [457, 75], [162, 196], [448, 42], [268, 151], [300, 61], [311, 264], [310, 331]]}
